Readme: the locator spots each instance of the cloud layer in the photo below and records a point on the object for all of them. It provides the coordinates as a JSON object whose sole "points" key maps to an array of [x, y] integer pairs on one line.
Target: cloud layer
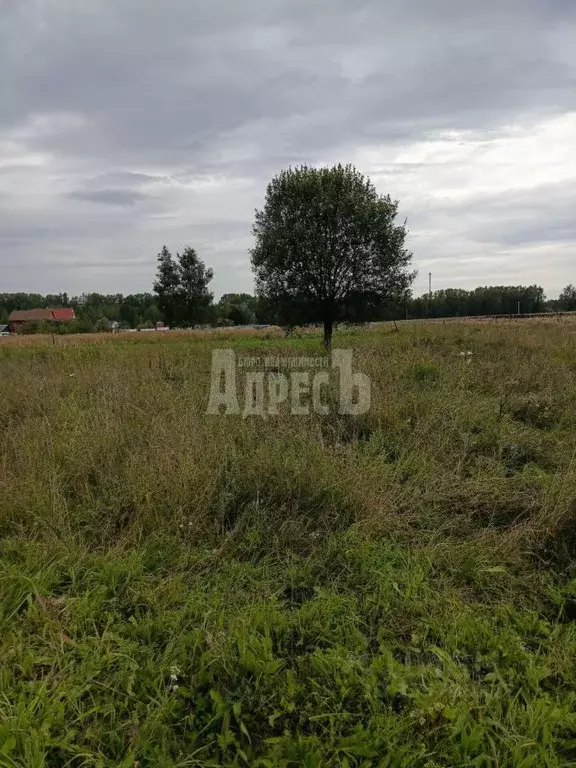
{"points": [[127, 125]]}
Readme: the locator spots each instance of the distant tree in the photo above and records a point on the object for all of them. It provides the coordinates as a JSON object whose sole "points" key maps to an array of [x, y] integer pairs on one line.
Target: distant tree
{"points": [[151, 315], [328, 249], [166, 285], [567, 299], [90, 308], [34, 326], [238, 308], [103, 325], [11, 301], [56, 300], [239, 298], [241, 314], [182, 288], [194, 298], [139, 309], [81, 325], [484, 300]]}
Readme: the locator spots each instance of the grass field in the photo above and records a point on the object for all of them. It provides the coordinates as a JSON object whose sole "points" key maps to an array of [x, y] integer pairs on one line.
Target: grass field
{"points": [[396, 589]]}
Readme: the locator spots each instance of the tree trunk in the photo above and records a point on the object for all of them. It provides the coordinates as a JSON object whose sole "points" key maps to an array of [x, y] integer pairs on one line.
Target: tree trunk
{"points": [[328, 334]]}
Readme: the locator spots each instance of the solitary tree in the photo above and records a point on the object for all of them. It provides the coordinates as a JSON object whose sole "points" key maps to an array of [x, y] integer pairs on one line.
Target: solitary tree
{"points": [[328, 248], [182, 287]]}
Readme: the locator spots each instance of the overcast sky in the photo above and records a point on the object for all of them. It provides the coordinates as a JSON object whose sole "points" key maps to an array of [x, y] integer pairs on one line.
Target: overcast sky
{"points": [[127, 124]]}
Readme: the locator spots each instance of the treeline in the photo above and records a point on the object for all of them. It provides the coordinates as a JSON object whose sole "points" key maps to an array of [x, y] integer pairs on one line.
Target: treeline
{"points": [[94, 311], [487, 300], [97, 312]]}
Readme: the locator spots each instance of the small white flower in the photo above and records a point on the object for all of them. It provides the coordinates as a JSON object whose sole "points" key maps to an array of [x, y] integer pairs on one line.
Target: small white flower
{"points": [[175, 688], [181, 525]]}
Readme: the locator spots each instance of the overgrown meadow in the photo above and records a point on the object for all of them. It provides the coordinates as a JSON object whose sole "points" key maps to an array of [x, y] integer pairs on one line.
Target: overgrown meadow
{"points": [[394, 589]]}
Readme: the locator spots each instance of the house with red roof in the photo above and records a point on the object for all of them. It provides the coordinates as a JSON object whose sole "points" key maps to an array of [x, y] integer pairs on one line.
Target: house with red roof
{"points": [[53, 314]]}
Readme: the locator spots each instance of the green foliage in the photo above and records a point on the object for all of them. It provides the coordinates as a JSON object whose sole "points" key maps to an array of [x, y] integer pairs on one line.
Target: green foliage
{"points": [[111, 659], [92, 311], [182, 288], [328, 249], [167, 285], [103, 325], [567, 299], [11, 301], [183, 590], [37, 326], [237, 309], [487, 300], [195, 298], [425, 372], [132, 311], [145, 310]]}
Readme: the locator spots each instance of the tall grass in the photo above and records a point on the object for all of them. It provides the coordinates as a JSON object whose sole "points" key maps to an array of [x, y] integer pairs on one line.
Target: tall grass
{"points": [[178, 589]]}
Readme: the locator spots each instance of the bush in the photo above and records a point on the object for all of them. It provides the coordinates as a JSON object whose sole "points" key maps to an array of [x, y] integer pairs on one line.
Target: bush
{"points": [[36, 326]]}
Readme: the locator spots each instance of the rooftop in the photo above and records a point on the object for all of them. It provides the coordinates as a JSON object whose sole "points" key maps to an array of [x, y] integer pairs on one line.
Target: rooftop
{"points": [[53, 313]]}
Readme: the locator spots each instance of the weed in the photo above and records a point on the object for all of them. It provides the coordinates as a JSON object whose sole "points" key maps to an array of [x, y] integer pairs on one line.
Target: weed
{"points": [[395, 589]]}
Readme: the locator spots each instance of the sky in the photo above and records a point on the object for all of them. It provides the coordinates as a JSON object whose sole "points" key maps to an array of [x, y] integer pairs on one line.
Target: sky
{"points": [[129, 124]]}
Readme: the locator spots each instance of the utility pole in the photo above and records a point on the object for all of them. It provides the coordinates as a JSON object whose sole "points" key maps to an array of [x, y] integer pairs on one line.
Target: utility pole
{"points": [[430, 284], [518, 307]]}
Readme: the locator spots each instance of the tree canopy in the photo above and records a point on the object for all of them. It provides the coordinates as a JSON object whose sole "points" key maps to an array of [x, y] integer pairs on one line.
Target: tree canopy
{"points": [[484, 300], [328, 248], [567, 299], [238, 309], [182, 288]]}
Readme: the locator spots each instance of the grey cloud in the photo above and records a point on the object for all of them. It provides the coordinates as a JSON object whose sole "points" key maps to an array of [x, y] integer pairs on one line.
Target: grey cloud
{"points": [[166, 84], [108, 196], [143, 98], [122, 179], [532, 219], [525, 218], [560, 230], [499, 238]]}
